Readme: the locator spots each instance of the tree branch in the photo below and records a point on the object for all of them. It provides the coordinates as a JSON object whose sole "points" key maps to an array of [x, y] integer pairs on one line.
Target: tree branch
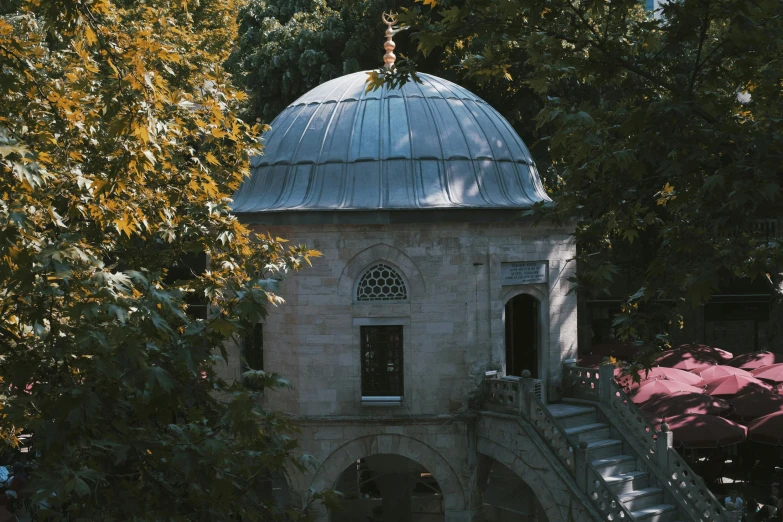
{"points": [[704, 26]]}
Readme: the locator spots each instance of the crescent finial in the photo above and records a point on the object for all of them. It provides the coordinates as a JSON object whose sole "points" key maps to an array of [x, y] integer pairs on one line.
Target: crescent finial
{"points": [[389, 58]]}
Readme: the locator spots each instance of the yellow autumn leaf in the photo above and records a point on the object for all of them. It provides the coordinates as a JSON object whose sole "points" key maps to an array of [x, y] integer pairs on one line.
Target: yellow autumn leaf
{"points": [[92, 39], [113, 68], [141, 132], [123, 225], [211, 159]]}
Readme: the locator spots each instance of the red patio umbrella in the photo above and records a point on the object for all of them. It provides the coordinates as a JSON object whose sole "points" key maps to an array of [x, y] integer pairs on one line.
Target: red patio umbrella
{"points": [[767, 429], [623, 376], [661, 387], [752, 361], [719, 370], [652, 418], [733, 384], [681, 403], [772, 373], [749, 406], [688, 360], [720, 355], [673, 374], [705, 431], [691, 357]]}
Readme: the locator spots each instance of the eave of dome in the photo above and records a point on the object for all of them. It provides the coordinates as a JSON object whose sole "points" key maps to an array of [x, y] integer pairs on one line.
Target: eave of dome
{"points": [[423, 146]]}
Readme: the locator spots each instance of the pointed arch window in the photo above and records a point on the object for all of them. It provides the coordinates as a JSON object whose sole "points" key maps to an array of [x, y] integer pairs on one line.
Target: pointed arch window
{"points": [[381, 283]]}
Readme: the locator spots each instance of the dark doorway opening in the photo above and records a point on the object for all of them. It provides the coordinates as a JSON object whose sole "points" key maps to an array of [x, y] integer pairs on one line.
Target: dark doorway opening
{"points": [[522, 335]]}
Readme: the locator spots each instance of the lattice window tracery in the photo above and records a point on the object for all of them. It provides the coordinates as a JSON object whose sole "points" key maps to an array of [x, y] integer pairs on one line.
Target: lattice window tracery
{"points": [[381, 283]]}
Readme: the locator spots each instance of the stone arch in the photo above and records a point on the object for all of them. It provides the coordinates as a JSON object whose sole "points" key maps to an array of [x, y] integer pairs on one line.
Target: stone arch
{"points": [[381, 253], [330, 469], [542, 297], [510, 292], [535, 476]]}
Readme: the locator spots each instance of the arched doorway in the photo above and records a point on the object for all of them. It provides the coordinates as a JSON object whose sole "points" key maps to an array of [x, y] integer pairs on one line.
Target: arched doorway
{"points": [[523, 334], [388, 488]]}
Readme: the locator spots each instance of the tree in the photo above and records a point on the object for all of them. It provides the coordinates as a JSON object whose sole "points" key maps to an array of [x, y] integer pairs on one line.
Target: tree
{"points": [[287, 47], [119, 150], [663, 133]]}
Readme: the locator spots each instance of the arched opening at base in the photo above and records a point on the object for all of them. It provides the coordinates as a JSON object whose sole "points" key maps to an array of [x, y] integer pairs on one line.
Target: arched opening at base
{"points": [[506, 497], [388, 488], [522, 335]]}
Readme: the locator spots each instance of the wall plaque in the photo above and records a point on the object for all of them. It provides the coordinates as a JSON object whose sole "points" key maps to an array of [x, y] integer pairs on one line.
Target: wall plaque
{"points": [[524, 272]]}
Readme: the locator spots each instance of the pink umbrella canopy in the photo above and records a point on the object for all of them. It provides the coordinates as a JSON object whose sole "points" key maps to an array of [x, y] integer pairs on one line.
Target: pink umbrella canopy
{"points": [[684, 363], [734, 384], [660, 387], [772, 373], [750, 406], [720, 355], [682, 403], [693, 430], [767, 429], [686, 359], [623, 376], [719, 370], [752, 361]]}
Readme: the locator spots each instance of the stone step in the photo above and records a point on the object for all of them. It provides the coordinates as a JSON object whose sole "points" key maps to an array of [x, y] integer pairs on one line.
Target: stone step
{"points": [[642, 498], [615, 465], [658, 513], [601, 449], [628, 481], [570, 415], [589, 432]]}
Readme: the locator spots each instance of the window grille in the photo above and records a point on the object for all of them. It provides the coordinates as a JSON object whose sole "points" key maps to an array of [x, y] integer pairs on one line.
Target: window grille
{"points": [[382, 361], [381, 283]]}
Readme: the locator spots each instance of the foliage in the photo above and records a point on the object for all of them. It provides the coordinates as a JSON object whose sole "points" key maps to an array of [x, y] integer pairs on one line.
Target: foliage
{"points": [[662, 133], [119, 150], [287, 47]]}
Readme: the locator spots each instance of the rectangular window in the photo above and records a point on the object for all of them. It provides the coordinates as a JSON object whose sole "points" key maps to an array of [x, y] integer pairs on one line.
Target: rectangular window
{"points": [[381, 364], [253, 349]]}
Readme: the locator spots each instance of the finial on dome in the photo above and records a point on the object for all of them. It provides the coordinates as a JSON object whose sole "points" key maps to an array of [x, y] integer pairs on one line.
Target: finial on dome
{"points": [[389, 58]]}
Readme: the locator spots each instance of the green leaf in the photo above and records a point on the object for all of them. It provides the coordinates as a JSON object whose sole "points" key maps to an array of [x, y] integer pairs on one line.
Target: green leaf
{"points": [[161, 377]]}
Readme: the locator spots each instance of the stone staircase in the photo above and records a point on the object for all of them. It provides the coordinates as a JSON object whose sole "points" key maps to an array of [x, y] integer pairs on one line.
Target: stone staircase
{"points": [[610, 455], [627, 468]]}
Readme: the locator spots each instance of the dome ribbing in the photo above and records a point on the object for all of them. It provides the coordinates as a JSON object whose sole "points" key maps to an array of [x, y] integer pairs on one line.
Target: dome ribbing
{"points": [[432, 145]]}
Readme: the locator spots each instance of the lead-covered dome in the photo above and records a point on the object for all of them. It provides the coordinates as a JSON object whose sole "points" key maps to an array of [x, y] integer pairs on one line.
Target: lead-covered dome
{"points": [[429, 145]]}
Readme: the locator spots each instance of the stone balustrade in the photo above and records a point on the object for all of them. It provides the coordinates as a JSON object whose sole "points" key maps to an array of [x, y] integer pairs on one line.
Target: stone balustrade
{"points": [[654, 446], [582, 383], [518, 396]]}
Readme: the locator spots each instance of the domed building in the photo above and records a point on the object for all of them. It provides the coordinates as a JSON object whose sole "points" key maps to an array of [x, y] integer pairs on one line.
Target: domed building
{"points": [[429, 279]]}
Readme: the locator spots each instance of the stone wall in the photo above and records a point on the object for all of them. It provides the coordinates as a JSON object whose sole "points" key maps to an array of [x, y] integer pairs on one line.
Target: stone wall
{"points": [[513, 442], [453, 332], [453, 319], [452, 449], [445, 446]]}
